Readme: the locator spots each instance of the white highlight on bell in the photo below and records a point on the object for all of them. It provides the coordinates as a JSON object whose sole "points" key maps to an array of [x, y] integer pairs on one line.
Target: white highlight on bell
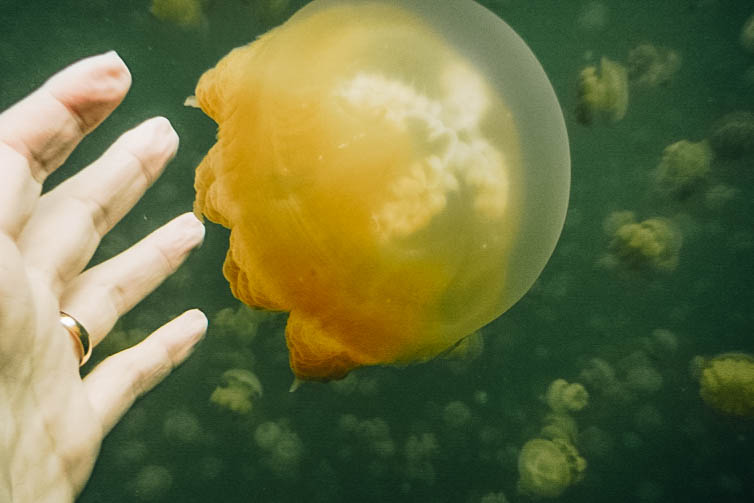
{"points": [[449, 130]]}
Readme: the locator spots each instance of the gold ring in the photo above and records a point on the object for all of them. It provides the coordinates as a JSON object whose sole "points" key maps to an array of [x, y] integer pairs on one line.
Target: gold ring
{"points": [[79, 335]]}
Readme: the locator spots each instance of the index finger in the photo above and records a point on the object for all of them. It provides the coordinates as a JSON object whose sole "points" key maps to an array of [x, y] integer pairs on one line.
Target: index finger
{"points": [[38, 133]]}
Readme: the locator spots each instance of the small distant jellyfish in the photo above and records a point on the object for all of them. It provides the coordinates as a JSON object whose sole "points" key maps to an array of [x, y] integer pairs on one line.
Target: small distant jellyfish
{"points": [[374, 434], [563, 396], [603, 94], [599, 375], [732, 136], [661, 343], [184, 13], [152, 483], [546, 468], [481, 397], [286, 455], [684, 167], [644, 379], [727, 383], [593, 17], [241, 324], [394, 174], [650, 244], [282, 448], [180, 426], [747, 35], [456, 414], [267, 434], [420, 451], [238, 391], [651, 66], [132, 452]]}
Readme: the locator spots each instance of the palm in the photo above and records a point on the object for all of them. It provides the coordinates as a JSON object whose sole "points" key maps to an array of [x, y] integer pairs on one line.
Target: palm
{"points": [[52, 428]]}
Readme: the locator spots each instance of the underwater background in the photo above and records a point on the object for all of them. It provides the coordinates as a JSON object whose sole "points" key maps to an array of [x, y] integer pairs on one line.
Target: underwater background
{"points": [[450, 429]]}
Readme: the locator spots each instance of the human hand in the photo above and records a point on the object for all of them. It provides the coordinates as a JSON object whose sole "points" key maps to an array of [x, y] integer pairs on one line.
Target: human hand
{"points": [[52, 421]]}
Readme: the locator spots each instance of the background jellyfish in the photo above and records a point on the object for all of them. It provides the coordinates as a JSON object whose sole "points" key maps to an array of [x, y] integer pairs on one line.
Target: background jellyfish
{"points": [[563, 396], [732, 136], [652, 244], [684, 166], [603, 93], [649, 65], [548, 467], [747, 35], [238, 391], [727, 383], [184, 13], [551, 463], [394, 184]]}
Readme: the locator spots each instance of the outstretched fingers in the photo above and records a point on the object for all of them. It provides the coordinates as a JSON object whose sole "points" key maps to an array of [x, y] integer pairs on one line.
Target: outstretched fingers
{"points": [[119, 380], [102, 294], [69, 221], [38, 133]]}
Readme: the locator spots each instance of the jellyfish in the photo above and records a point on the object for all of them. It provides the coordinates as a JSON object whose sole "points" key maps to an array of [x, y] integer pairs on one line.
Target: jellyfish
{"points": [[603, 94], [546, 468], [727, 383], [394, 175], [684, 167], [152, 483], [651, 66], [653, 243], [747, 35], [184, 13], [239, 389], [563, 396], [281, 447], [732, 136]]}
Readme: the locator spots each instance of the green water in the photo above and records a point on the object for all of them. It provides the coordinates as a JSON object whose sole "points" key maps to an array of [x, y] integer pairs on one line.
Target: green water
{"points": [[643, 445]]}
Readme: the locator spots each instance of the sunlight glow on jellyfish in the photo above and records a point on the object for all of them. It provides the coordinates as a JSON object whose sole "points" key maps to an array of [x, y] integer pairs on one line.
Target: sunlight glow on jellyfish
{"points": [[394, 174]]}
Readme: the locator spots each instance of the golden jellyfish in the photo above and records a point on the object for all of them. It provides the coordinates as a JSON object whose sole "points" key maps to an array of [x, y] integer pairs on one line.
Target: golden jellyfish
{"points": [[603, 94], [546, 468], [184, 13], [727, 383], [394, 174]]}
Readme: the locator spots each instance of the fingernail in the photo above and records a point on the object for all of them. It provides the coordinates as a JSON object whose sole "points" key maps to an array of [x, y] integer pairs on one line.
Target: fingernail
{"points": [[194, 229], [117, 71], [164, 130], [112, 54], [198, 323], [181, 235]]}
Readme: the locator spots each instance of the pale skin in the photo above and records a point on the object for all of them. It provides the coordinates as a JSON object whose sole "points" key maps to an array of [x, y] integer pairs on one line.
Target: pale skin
{"points": [[52, 421]]}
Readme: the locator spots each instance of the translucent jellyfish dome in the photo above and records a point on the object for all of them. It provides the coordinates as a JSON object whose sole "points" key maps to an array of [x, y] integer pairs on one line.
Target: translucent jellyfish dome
{"points": [[394, 174]]}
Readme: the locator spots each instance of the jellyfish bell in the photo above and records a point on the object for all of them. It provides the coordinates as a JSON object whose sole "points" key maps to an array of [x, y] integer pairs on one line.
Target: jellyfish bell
{"points": [[394, 174], [727, 383]]}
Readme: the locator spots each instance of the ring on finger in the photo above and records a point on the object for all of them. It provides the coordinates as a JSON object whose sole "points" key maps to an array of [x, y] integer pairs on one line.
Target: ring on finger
{"points": [[79, 335]]}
